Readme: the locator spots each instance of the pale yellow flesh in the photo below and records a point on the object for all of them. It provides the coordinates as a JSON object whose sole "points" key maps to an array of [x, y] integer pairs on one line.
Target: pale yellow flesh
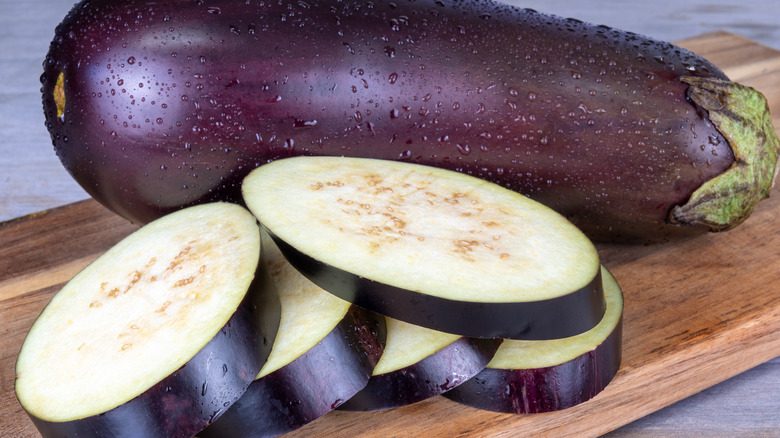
{"points": [[514, 354], [138, 313], [309, 313], [408, 344], [423, 229]]}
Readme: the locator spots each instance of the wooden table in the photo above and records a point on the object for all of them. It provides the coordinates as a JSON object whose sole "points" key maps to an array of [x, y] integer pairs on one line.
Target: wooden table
{"points": [[31, 180]]}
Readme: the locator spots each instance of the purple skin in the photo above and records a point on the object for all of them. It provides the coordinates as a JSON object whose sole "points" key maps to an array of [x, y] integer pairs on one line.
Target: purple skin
{"points": [[167, 104], [544, 389], [187, 401], [560, 317], [310, 386], [432, 376]]}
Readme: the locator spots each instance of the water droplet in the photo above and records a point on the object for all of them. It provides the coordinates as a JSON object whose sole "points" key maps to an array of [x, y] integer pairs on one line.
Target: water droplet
{"points": [[532, 96], [464, 149], [390, 51], [214, 10], [131, 60], [298, 123], [393, 77], [714, 140]]}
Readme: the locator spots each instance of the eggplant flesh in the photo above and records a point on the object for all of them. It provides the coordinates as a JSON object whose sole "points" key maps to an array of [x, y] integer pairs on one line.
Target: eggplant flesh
{"points": [[324, 353], [544, 376], [128, 347], [430, 247], [418, 364], [152, 106]]}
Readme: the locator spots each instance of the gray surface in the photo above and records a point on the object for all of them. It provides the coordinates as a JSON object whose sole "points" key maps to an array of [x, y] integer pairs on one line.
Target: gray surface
{"points": [[32, 179]]}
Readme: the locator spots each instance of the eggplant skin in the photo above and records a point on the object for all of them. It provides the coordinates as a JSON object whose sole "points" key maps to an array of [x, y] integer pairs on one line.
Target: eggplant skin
{"points": [[559, 317], [153, 106], [554, 388], [199, 392], [312, 385], [436, 374]]}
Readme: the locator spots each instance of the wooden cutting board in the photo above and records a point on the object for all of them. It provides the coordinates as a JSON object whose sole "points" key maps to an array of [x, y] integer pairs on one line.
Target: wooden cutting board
{"points": [[697, 312]]}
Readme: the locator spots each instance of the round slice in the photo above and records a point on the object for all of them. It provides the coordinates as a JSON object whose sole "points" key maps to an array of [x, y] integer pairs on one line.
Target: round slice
{"points": [[420, 363], [158, 335], [324, 353], [430, 247], [544, 376]]}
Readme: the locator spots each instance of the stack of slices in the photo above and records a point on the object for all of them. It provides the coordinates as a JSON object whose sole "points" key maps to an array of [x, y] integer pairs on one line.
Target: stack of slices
{"points": [[379, 284]]}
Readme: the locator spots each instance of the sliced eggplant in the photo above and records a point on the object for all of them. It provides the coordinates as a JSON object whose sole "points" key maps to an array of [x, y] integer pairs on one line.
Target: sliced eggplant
{"points": [[156, 337], [430, 247], [544, 376], [418, 364], [324, 353]]}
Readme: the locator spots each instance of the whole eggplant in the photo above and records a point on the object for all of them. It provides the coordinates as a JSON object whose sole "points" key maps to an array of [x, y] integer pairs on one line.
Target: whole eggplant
{"points": [[153, 106]]}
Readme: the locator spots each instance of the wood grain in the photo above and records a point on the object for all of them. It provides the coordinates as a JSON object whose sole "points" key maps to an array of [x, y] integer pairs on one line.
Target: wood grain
{"points": [[697, 311]]}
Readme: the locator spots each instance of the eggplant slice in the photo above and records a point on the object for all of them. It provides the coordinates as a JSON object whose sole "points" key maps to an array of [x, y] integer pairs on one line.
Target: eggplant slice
{"points": [[418, 364], [430, 247], [324, 353], [156, 337], [544, 376]]}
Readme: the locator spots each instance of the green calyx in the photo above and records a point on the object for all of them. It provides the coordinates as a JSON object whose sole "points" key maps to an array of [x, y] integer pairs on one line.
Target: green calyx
{"points": [[742, 116]]}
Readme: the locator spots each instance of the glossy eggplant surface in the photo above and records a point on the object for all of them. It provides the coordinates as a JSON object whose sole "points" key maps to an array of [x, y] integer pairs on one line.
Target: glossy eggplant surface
{"points": [[155, 105]]}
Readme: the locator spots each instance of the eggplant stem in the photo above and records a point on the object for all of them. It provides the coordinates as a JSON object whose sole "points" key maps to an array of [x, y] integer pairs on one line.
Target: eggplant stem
{"points": [[741, 114]]}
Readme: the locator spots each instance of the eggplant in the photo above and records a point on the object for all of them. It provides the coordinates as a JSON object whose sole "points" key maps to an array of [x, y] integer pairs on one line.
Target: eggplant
{"points": [[324, 353], [429, 246], [157, 336], [152, 106], [526, 377], [418, 364]]}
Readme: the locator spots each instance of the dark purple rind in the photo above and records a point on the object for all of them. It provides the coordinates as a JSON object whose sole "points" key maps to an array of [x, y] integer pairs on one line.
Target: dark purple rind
{"points": [[173, 103], [432, 376], [185, 402], [564, 316], [310, 386], [544, 389]]}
